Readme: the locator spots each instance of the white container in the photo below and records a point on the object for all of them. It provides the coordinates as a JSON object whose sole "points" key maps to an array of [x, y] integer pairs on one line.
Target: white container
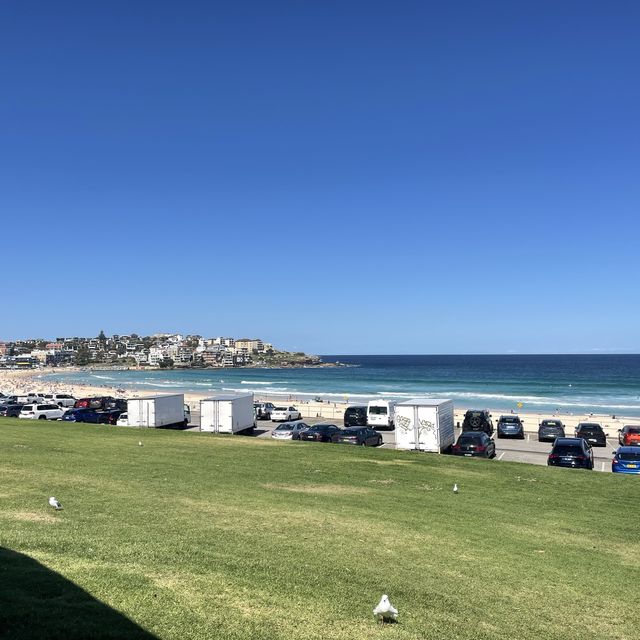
{"points": [[381, 413], [227, 413], [156, 411], [424, 424]]}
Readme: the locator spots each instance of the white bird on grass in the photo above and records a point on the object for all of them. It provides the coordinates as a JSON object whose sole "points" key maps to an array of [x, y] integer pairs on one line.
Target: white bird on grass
{"points": [[455, 488], [140, 443], [54, 503], [385, 610]]}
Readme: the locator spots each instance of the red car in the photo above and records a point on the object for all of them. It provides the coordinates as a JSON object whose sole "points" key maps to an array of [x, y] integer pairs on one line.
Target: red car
{"points": [[629, 435]]}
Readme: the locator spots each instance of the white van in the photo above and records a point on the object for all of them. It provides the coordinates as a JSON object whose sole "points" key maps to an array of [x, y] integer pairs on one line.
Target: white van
{"points": [[381, 414]]}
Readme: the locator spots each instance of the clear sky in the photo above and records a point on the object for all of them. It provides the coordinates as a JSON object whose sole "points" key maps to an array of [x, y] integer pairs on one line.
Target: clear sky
{"points": [[335, 177]]}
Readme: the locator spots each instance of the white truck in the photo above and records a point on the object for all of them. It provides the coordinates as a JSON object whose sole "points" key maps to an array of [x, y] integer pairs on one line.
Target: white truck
{"points": [[227, 413], [425, 424], [157, 411], [381, 414]]}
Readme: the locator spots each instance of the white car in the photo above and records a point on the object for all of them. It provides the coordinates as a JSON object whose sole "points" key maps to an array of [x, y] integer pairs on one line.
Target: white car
{"points": [[123, 420], [61, 399], [41, 412], [285, 414], [289, 430]]}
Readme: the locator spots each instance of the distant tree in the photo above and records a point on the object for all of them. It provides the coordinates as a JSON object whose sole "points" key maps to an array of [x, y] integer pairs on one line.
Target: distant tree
{"points": [[83, 356], [166, 363]]}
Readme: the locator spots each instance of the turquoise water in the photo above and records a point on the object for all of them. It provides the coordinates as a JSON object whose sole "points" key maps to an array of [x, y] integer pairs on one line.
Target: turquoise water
{"points": [[608, 384]]}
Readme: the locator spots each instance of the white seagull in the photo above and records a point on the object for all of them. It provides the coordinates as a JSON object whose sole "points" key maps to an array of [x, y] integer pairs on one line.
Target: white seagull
{"points": [[455, 488], [54, 503], [385, 610], [140, 443]]}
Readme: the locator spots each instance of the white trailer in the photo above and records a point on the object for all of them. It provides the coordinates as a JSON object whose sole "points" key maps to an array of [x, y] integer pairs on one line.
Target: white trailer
{"points": [[425, 424], [156, 411], [227, 413]]}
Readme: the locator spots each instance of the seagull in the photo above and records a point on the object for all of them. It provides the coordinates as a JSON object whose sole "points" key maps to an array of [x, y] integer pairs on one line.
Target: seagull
{"points": [[455, 488], [54, 503], [385, 610], [140, 443]]}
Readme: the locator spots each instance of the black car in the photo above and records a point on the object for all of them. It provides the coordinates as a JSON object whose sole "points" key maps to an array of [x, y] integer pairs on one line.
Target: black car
{"points": [[478, 420], [355, 416], [10, 410], [549, 430], [93, 416], [510, 426], [592, 432], [320, 432], [571, 452], [363, 436], [474, 444]]}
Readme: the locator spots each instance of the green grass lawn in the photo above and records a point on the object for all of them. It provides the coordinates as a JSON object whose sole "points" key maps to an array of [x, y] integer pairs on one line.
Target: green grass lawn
{"points": [[197, 536]]}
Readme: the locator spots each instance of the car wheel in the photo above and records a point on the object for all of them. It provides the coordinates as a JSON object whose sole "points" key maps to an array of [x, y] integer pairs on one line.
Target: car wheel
{"points": [[380, 441], [42, 417]]}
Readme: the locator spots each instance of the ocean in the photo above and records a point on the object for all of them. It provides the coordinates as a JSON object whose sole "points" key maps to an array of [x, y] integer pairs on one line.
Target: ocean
{"points": [[605, 384]]}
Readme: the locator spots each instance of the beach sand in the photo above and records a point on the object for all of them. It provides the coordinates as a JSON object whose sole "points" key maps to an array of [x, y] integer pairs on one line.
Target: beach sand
{"points": [[36, 380]]}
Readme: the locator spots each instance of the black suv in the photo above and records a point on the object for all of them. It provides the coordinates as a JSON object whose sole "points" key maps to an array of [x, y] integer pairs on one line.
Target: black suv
{"points": [[592, 432], [571, 452], [355, 417], [549, 430], [478, 420], [510, 427]]}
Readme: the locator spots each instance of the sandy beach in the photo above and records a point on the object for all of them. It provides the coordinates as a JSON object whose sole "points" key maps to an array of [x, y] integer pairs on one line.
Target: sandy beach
{"points": [[18, 382]]}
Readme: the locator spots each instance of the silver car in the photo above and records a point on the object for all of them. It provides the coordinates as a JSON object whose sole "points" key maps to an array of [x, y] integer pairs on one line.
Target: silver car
{"points": [[289, 430]]}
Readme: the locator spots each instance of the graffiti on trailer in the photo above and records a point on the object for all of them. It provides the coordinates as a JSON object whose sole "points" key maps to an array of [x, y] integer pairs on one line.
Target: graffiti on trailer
{"points": [[403, 423], [426, 426]]}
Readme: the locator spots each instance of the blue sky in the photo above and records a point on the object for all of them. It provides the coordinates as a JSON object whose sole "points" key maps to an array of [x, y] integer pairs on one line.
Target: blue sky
{"points": [[336, 177]]}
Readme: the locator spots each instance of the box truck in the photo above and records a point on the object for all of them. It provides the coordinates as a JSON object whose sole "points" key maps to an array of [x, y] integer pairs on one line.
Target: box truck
{"points": [[157, 411], [425, 424], [227, 413]]}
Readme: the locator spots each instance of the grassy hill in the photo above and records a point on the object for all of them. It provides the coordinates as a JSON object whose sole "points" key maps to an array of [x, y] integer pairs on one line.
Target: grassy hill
{"points": [[196, 536]]}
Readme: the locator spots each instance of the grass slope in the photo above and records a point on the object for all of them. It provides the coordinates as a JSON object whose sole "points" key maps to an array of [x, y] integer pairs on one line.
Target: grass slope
{"points": [[195, 536]]}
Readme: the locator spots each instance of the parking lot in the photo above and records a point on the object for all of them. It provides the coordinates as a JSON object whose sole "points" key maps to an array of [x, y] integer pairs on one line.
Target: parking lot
{"points": [[528, 450]]}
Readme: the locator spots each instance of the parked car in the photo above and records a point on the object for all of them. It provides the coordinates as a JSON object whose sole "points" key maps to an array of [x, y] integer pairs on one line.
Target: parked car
{"points": [[478, 420], [549, 430], [571, 452], [355, 416], [289, 430], [363, 436], [10, 410], [93, 416], [123, 419], [321, 432], [629, 435], [29, 398], [474, 444], [592, 432], [101, 403], [263, 410], [626, 460], [285, 414], [41, 412], [61, 399], [510, 426]]}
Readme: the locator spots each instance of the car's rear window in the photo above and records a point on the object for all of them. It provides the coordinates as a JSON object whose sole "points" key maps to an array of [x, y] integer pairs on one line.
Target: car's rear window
{"points": [[590, 429], [280, 408], [630, 456], [551, 423], [567, 450], [466, 438], [633, 430], [379, 411], [514, 419]]}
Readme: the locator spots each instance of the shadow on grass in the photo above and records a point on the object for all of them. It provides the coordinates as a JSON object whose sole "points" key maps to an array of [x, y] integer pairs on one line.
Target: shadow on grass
{"points": [[36, 602]]}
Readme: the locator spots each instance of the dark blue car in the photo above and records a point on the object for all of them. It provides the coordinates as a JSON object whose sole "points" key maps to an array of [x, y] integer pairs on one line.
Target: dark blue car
{"points": [[626, 460], [510, 427], [92, 416]]}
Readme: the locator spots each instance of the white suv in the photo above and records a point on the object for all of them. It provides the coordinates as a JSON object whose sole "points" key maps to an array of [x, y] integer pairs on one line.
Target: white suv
{"points": [[285, 414], [41, 412], [61, 399]]}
